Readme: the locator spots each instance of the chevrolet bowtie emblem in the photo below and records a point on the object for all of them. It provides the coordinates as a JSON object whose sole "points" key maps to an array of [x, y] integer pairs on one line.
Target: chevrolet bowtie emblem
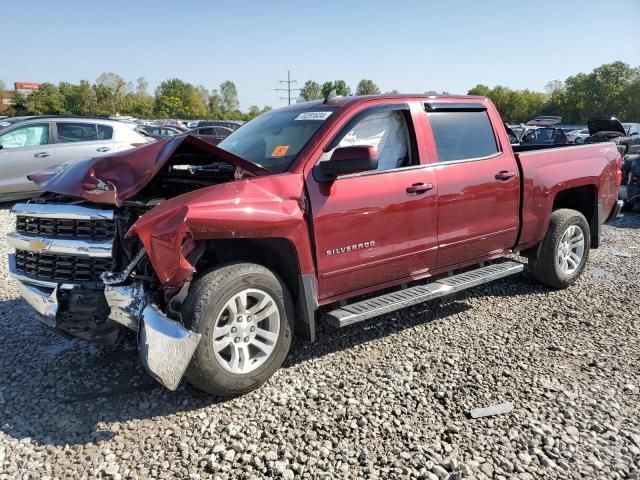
{"points": [[38, 245]]}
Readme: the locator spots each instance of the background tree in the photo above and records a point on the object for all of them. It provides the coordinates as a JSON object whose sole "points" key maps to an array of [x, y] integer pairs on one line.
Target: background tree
{"points": [[340, 86], [253, 112], [215, 105], [311, 91], [367, 87], [2, 88], [78, 99], [113, 81], [142, 87], [178, 99], [203, 93], [47, 100], [229, 96]]}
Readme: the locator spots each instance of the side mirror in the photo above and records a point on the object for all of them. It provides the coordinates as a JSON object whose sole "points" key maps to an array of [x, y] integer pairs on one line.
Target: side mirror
{"points": [[347, 160]]}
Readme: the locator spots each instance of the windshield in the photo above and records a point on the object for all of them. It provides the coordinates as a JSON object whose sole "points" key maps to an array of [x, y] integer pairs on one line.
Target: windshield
{"points": [[273, 140]]}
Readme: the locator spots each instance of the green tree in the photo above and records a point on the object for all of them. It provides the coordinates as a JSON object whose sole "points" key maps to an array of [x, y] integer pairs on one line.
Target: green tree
{"points": [[78, 99], [215, 105], [106, 100], [177, 99], [135, 105], [481, 90], [253, 112], [340, 86], [229, 96], [47, 100], [203, 93], [311, 91], [367, 87]]}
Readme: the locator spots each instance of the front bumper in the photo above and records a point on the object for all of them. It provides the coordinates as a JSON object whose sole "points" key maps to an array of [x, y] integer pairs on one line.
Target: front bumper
{"points": [[84, 308], [41, 295], [165, 346]]}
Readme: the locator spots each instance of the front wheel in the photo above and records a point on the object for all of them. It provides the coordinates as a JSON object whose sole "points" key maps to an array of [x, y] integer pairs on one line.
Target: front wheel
{"points": [[244, 313], [564, 250]]}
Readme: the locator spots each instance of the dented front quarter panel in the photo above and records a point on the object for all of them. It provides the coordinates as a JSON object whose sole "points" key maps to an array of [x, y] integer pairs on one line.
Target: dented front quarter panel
{"points": [[256, 207]]}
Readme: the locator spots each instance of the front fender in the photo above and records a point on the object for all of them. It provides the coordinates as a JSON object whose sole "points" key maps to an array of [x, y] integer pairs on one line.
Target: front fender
{"points": [[257, 207]]}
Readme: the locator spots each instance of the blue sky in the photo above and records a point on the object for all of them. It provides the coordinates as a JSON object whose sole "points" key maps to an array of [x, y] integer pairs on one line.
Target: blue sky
{"points": [[412, 46]]}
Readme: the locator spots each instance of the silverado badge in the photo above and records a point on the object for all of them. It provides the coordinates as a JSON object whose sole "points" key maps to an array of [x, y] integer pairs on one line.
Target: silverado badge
{"points": [[351, 248]]}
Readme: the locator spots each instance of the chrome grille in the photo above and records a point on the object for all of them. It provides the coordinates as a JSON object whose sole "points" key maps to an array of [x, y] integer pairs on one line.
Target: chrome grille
{"points": [[66, 228], [61, 268]]}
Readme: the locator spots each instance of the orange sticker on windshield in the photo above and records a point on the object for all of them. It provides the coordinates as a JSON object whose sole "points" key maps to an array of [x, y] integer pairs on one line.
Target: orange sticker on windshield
{"points": [[280, 151]]}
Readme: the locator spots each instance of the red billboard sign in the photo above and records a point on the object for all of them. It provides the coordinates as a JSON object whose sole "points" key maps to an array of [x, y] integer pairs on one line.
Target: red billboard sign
{"points": [[27, 86]]}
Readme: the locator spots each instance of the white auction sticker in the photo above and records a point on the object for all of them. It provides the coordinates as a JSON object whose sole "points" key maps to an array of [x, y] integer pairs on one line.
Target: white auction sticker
{"points": [[313, 116]]}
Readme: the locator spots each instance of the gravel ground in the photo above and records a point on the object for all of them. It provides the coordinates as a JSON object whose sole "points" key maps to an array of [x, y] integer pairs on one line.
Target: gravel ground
{"points": [[389, 398]]}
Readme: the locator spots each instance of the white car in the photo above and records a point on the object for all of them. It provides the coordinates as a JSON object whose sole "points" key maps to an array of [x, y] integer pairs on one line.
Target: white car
{"points": [[577, 136], [28, 144]]}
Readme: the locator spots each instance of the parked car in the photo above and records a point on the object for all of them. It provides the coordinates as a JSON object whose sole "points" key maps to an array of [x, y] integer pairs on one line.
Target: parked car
{"points": [[544, 136], [216, 255], [609, 129], [632, 129], [630, 187], [211, 134], [577, 136], [159, 132], [220, 123], [33, 143]]}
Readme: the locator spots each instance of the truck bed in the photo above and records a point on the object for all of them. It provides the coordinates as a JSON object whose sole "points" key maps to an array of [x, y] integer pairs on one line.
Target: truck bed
{"points": [[545, 171]]}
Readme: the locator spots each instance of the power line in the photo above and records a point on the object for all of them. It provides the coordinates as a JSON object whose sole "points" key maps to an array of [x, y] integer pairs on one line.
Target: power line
{"points": [[288, 81]]}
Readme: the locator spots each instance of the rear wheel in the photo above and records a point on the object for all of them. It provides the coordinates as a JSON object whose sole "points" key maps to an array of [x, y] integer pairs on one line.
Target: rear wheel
{"points": [[244, 313], [564, 250]]}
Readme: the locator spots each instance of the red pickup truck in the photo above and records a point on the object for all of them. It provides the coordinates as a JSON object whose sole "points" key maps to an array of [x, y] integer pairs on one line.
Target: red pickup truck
{"points": [[216, 255]]}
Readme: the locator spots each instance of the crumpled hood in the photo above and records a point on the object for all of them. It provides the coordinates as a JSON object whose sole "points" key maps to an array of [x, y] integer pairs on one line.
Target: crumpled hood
{"points": [[605, 124], [117, 177]]}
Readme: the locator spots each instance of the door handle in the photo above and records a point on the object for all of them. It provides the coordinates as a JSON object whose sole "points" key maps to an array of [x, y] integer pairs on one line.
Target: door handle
{"points": [[42, 155], [505, 175], [418, 188], [103, 149]]}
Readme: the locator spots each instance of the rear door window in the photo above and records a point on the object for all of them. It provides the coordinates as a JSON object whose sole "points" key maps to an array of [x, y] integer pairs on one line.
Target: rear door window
{"points": [[462, 135], [105, 132], [76, 132]]}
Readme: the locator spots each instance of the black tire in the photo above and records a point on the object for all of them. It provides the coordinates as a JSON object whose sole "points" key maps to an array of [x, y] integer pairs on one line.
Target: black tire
{"points": [[627, 206], [206, 299], [545, 268]]}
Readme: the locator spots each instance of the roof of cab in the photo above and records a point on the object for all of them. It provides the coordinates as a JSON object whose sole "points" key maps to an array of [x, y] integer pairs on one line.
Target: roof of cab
{"points": [[341, 101]]}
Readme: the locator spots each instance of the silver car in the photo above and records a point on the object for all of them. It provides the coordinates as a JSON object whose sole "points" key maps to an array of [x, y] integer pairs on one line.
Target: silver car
{"points": [[28, 144]]}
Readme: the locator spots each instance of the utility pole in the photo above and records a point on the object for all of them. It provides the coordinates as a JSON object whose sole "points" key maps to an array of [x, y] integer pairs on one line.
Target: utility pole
{"points": [[288, 81]]}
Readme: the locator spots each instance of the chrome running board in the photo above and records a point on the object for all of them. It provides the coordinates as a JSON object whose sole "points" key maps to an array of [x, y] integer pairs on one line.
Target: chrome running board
{"points": [[389, 302]]}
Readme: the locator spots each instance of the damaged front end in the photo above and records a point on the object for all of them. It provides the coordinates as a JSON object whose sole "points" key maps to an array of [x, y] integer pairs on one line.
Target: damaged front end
{"points": [[81, 267], [165, 346]]}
